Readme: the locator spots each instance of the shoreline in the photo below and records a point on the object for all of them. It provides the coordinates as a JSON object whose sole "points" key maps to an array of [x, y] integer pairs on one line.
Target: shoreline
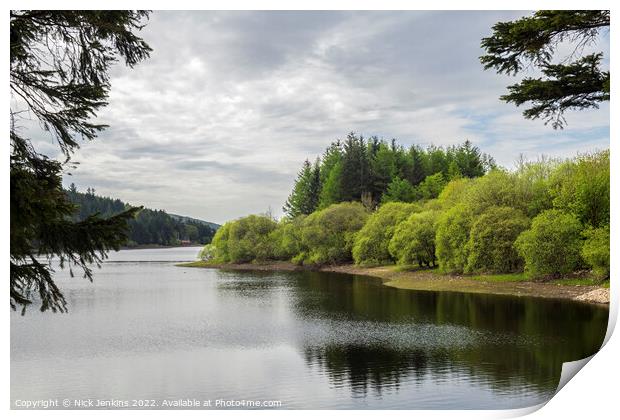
{"points": [[431, 280], [156, 246]]}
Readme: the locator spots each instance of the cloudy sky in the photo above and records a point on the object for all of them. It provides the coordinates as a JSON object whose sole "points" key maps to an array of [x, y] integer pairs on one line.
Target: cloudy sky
{"points": [[217, 122]]}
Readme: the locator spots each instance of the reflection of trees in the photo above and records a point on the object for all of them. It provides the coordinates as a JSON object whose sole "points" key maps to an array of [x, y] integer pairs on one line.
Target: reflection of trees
{"points": [[364, 367], [515, 342]]}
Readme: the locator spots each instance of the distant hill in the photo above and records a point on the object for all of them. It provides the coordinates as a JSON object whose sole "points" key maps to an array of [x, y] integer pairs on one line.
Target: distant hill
{"points": [[192, 220], [150, 227]]}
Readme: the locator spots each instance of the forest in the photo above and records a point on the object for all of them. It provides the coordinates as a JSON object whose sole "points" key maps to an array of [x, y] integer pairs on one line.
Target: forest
{"points": [[370, 202], [149, 227]]}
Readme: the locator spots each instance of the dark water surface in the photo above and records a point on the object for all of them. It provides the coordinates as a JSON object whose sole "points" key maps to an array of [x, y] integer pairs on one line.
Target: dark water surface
{"points": [[149, 330]]}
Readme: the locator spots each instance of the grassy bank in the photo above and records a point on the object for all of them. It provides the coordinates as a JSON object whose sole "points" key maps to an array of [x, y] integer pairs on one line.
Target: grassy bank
{"points": [[578, 288]]}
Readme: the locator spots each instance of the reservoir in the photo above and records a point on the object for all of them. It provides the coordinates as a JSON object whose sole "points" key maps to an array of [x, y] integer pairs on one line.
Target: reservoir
{"points": [[149, 330]]}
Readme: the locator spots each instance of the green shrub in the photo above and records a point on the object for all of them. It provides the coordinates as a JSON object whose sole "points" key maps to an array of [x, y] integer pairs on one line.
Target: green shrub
{"points": [[220, 243], [207, 253], [327, 235], [414, 239], [581, 186], [245, 240], [491, 241], [533, 185], [372, 241], [454, 192], [399, 190], [595, 251], [497, 188], [552, 245], [432, 186], [451, 239], [286, 238], [526, 190]]}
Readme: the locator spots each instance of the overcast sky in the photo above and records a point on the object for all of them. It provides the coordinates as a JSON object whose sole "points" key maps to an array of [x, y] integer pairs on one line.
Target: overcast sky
{"points": [[216, 124]]}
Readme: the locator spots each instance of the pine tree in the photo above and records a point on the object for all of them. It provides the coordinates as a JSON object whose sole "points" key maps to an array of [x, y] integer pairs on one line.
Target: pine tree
{"points": [[416, 173], [575, 83], [355, 169], [382, 170], [59, 62], [330, 171], [436, 160], [469, 160], [453, 171], [305, 196], [331, 192], [314, 190]]}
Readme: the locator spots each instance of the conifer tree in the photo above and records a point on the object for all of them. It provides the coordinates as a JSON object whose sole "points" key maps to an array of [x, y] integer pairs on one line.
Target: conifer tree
{"points": [[355, 169], [59, 62], [416, 173], [469, 160], [304, 199], [314, 190], [382, 169], [331, 192], [572, 83], [299, 195]]}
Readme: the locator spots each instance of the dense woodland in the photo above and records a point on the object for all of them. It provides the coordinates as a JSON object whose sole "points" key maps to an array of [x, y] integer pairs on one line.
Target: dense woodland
{"points": [[375, 203], [374, 171], [149, 227]]}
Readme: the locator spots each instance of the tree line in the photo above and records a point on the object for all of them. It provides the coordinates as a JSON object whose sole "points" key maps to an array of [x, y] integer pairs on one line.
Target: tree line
{"points": [[548, 218], [149, 227], [374, 171]]}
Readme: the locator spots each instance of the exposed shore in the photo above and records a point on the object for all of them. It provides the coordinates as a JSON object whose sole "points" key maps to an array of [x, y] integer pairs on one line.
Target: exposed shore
{"points": [[432, 280]]}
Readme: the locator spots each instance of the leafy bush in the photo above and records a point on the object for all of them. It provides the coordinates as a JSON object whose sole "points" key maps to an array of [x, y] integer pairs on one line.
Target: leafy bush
{"points": [[526, 190], [595, 251], [327, 235], [245, 240], [533, 185], [286, 238], [552, 245], [414, 239], [581, 186], [454, 192], [220, 243], [372, 241], [399, 190], [497, 188], [452, 236], [207, 253], [491, 241], [432, 186]]}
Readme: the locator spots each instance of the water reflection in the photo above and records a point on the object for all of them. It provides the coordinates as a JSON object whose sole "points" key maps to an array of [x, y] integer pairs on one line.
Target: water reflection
{"points": [[364, 368], [510, 344]]}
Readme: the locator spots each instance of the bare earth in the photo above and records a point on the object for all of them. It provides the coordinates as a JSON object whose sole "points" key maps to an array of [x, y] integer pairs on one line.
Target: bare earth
{"points": [[434, 281]]}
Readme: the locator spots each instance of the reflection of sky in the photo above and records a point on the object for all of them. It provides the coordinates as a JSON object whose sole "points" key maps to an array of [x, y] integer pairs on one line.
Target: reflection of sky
{"points": [[217, 122]]}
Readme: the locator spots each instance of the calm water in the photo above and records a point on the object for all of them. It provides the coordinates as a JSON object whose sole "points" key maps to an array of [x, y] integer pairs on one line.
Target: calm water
{"points": [[149, 330]]}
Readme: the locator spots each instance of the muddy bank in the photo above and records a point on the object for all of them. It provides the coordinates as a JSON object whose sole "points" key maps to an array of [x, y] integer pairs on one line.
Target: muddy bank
{"points": [[434, 281]]}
